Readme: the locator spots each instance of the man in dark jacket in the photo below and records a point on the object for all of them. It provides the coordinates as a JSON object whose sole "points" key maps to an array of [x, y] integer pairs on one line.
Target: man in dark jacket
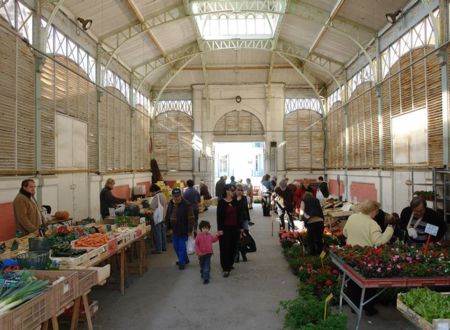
{"points": [[107, 199], [415, 218], [220, 186], [180, 219], [323, 187]]}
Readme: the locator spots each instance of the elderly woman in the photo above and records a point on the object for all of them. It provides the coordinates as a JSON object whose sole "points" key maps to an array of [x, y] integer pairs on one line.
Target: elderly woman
{"points": [[361, 228]]}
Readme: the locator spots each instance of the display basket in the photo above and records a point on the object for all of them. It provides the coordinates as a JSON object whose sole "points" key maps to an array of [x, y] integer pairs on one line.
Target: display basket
{"points": [[87, 278], [33, 259]]}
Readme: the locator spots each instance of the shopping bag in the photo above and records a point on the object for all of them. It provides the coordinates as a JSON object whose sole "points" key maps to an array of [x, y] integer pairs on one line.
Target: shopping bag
{"points": [[158, 214], [190, 245], [247, 243]]}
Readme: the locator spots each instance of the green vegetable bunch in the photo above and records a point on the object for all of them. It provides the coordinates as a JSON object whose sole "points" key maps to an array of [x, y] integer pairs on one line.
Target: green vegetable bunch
{"points": [[427, 303]]}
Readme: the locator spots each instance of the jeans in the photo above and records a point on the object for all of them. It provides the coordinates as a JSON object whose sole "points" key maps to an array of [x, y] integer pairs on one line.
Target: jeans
{"points": [[205, 265], [179, 245], [159, 236]]}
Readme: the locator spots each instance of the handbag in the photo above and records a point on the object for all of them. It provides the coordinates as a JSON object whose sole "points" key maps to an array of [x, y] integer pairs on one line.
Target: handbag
{"points": [[247, 243], [190, 245], [158, 213]]}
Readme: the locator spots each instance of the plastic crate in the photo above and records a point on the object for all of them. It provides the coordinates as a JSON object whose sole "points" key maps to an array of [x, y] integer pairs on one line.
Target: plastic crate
{"points": [[31, 314], [65, 286]]}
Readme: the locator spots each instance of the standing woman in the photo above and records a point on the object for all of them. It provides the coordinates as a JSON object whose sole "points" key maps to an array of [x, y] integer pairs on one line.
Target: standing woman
{"points": [[244, 214], [250, 193], [314, 222], [230, 223]]}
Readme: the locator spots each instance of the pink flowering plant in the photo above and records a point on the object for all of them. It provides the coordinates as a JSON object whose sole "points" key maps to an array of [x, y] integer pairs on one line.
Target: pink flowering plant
{"points": [[398, 260]]}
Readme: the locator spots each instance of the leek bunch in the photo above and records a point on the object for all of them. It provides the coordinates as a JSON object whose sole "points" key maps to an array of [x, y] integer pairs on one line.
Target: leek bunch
{"points": [[27, 288]]}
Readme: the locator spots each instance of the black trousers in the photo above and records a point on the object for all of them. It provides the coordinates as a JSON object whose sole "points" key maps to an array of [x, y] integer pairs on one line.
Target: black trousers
{"points": [[281, 212], [315, 237], [228, 247]]}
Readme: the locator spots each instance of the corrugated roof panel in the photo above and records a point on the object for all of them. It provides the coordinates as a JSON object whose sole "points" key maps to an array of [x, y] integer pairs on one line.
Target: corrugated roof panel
{"points": [[174, 35], [138, 50], [153, 7], [239, 57], [322, 4], [299, 31], [287, 76], [186, 78], [369, 12], [106, 15], [336, 46]]}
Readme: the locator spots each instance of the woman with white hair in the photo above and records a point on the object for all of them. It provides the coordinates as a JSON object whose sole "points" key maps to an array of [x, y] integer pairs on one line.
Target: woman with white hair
{"points": [[284, 203], [361, 228]]}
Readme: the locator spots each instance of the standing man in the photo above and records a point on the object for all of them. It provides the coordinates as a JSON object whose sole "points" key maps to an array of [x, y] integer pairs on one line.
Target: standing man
{"points": [[220, 186], [204, 192], [322, 191], [27, 214], [180, 219], [159, 228], [193, 197], [284, 204], [107, 199]]}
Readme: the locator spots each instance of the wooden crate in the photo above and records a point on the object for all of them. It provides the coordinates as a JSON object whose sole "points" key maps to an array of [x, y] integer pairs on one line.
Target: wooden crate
{"points": [[64, 284], [416, 319], [88, 257]]}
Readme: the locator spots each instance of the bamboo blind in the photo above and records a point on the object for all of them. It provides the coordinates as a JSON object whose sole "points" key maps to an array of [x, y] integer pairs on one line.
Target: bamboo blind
{"points": [[173, 141], [336, 136], [17, 110], [66, 89], [413, 82], [115, 131], [238, 123], [304, 140], [363, 128], [141, 139]]}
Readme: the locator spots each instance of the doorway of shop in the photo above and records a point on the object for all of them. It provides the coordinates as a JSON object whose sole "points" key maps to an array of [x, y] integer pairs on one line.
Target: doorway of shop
{"points": [[239, 159]]}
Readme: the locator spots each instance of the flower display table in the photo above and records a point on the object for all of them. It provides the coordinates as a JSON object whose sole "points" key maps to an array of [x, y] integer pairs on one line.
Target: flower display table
{"points": [[364, 283]]}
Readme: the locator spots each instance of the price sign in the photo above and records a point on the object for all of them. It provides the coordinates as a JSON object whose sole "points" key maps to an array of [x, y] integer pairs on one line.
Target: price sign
{"points": [[431, 229], [327, 302], [322, 256], [112, 246]]}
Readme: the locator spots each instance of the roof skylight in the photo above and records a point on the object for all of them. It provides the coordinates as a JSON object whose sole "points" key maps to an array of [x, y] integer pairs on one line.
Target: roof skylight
{"points": [[238, 20]]}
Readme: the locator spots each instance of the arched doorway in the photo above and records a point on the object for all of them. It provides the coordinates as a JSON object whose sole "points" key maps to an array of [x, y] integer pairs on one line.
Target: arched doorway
{"points": [[239, 144]]}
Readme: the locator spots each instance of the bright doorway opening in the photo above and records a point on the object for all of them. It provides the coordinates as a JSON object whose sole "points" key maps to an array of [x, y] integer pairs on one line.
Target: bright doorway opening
{"points": [[239, 159]]}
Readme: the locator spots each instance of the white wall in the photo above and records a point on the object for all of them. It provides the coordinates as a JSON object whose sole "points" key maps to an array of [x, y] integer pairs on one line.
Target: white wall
{"points": [[393, 187]]}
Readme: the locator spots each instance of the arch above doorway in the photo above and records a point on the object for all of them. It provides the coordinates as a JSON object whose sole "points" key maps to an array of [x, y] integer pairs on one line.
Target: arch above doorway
{"points": [[239, 123]]}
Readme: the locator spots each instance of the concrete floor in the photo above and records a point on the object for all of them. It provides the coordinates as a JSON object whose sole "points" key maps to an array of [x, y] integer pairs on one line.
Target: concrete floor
{"points": [[167, 298]]}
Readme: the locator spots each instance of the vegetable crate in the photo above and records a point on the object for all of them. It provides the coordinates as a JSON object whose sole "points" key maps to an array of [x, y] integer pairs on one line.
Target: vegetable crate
{"points": [[87, 278], [419, 321], [31, 314], [65, 286], [88, 257]]}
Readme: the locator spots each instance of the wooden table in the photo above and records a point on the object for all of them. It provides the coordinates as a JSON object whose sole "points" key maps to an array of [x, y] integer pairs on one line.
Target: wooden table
{"points": [[334, 217]]}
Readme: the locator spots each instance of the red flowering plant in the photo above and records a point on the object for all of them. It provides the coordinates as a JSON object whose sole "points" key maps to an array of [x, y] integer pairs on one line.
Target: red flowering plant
{"points": [[324, 280], [289, 238], [398, 260], [333, 237]]}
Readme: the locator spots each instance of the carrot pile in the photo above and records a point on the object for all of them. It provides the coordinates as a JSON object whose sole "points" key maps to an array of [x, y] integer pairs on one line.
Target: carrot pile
{"points": [[92, 240]]}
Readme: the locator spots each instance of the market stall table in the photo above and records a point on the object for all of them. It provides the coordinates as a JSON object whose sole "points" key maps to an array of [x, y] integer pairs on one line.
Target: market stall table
{"points": [[335, 217], [382, 283]]}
